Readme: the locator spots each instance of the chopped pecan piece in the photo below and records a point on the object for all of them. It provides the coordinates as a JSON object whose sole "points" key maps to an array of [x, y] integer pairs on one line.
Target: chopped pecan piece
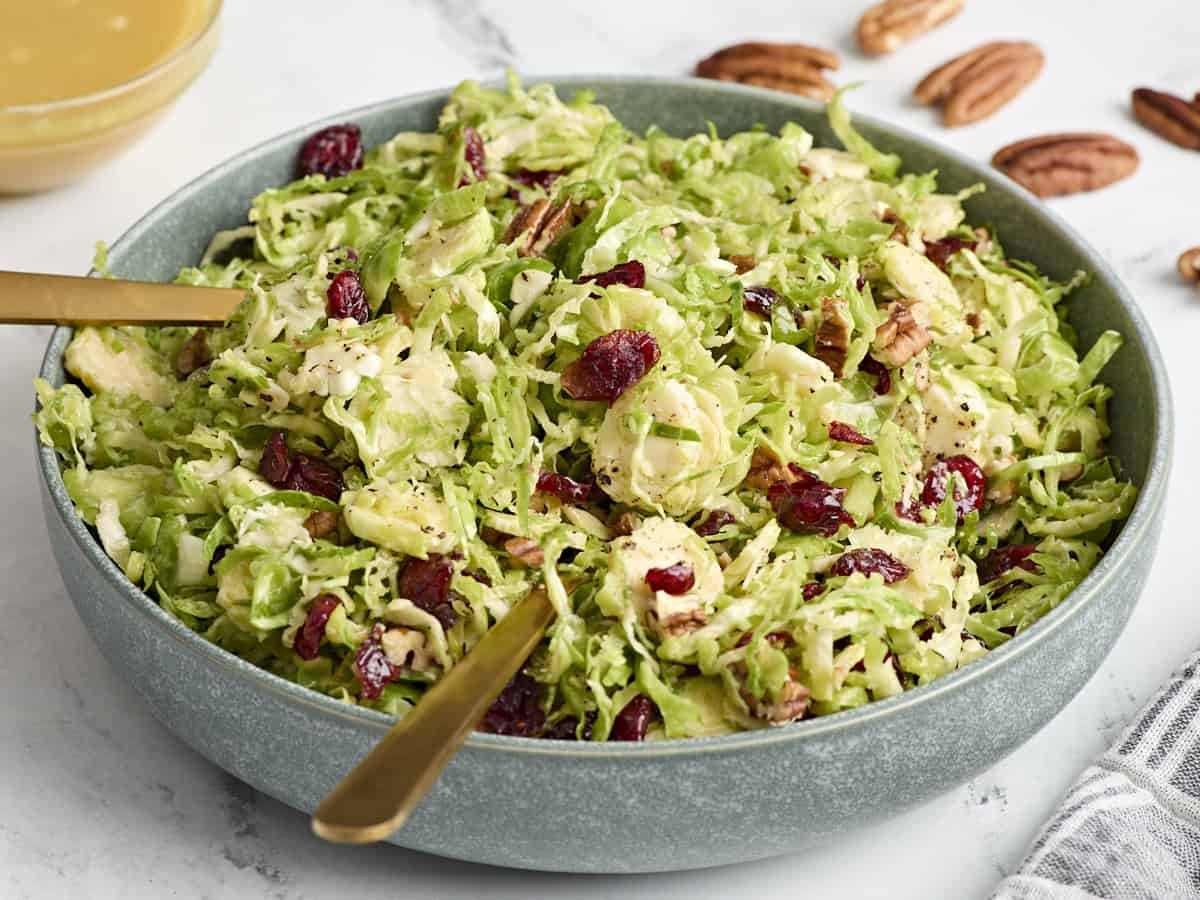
{"points": [[767, 469], [833, 334], [886, 26], [321, 523], [791, 704], [983, 242], [1168, 116], [1189, 264], [901, 337], [742, 263], [625, 524], [974, 85], [1056, 164], [794, 68], [540, 223], [193, 355], [682, 622], [899, 227], [525, 553]]}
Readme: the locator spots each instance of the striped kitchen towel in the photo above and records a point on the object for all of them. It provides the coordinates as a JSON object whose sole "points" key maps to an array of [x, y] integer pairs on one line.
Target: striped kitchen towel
{"points": [[1130, 827]]}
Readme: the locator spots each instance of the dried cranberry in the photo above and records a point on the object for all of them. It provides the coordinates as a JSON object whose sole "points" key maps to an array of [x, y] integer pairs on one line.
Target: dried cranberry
{"points": [[759, 300], [840, 431], [939, 252], [426, 582], [331, 152], [634, 720], [568, 490], [674, 579], [543, 179], [1003, 559], [964, 501], [610, 365], [812, 590], [314, 476], [518, 709], [809, 505], [631, 274], [714, 522], [870, 561], [372, 667], [308, 639], [276, 461], [446, 614], [346, 299], [860, 283], [910, 510], [567, 729], [883, 377], [474, 154]]}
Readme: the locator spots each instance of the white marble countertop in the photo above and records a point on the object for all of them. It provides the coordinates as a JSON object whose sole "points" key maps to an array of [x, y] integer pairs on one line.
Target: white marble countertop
{"points": [[100, 801]]}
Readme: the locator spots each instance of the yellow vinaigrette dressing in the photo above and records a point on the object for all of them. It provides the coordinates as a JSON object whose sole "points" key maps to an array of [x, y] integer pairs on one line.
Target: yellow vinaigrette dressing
{"points": [[59, 49], [79, 79]]}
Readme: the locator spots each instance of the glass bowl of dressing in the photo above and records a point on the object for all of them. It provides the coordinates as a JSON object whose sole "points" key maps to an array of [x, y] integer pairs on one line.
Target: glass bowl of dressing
{"points": [[80, 80]]}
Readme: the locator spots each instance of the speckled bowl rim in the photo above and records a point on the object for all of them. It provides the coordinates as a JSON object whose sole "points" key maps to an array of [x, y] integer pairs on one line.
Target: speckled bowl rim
{"points": [[1151, 494]]}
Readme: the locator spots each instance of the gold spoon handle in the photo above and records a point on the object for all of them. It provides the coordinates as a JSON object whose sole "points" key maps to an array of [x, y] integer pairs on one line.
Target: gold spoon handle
{"points": [[30, 299], [385, 787]]}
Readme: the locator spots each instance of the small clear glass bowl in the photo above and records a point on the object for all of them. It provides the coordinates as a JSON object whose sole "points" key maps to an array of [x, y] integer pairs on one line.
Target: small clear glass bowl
{"points": [[48, 145]]}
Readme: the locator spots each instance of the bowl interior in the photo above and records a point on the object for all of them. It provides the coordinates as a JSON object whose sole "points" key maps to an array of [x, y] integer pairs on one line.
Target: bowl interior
{"points": [[176, 233]]}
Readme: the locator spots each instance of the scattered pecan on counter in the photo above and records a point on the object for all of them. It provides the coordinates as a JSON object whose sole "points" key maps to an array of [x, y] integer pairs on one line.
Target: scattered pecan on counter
{"points": [[1056, 164], [974, 85], [886, 26], [1189, 265], [1169, 116], [794, 68]]}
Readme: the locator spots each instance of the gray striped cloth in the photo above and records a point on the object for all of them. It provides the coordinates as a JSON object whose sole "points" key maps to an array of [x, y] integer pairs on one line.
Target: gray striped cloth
{"points": [[1130, 827]]}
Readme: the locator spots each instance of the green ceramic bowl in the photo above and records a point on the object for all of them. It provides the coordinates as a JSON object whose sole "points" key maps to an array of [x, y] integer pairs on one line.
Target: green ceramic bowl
{"points": [[672, 805]]}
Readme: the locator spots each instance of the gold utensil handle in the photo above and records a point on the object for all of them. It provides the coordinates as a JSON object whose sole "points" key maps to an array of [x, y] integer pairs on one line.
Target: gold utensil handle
{"points": [[385, 787], [30, 299]]}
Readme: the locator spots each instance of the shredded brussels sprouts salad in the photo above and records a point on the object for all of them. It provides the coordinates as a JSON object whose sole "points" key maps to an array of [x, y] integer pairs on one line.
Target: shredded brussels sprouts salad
{"points": [[777, 431]]}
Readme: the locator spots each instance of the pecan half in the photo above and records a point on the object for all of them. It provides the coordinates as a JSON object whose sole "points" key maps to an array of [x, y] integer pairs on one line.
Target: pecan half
{"points": [[1056, 164], [885, 27], [1189, 265], [833, 335], [193, 355], [901, 337], [974, 85], [541, 223], [525, 552], [794, 68], [321, 523], [1168, 116], [682, 622]]}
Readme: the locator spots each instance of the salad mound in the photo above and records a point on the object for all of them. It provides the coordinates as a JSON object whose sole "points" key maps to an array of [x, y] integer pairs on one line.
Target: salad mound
{"points": [[777, 430]]}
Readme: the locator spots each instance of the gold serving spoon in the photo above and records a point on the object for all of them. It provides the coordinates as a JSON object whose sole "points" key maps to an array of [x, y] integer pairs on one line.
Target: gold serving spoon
{"points": [[30, 299], [381, 792], [385, 787]]}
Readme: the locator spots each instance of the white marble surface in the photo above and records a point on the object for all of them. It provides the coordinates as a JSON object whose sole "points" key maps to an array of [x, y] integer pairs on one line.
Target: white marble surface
{"points": [[99, 801]]}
